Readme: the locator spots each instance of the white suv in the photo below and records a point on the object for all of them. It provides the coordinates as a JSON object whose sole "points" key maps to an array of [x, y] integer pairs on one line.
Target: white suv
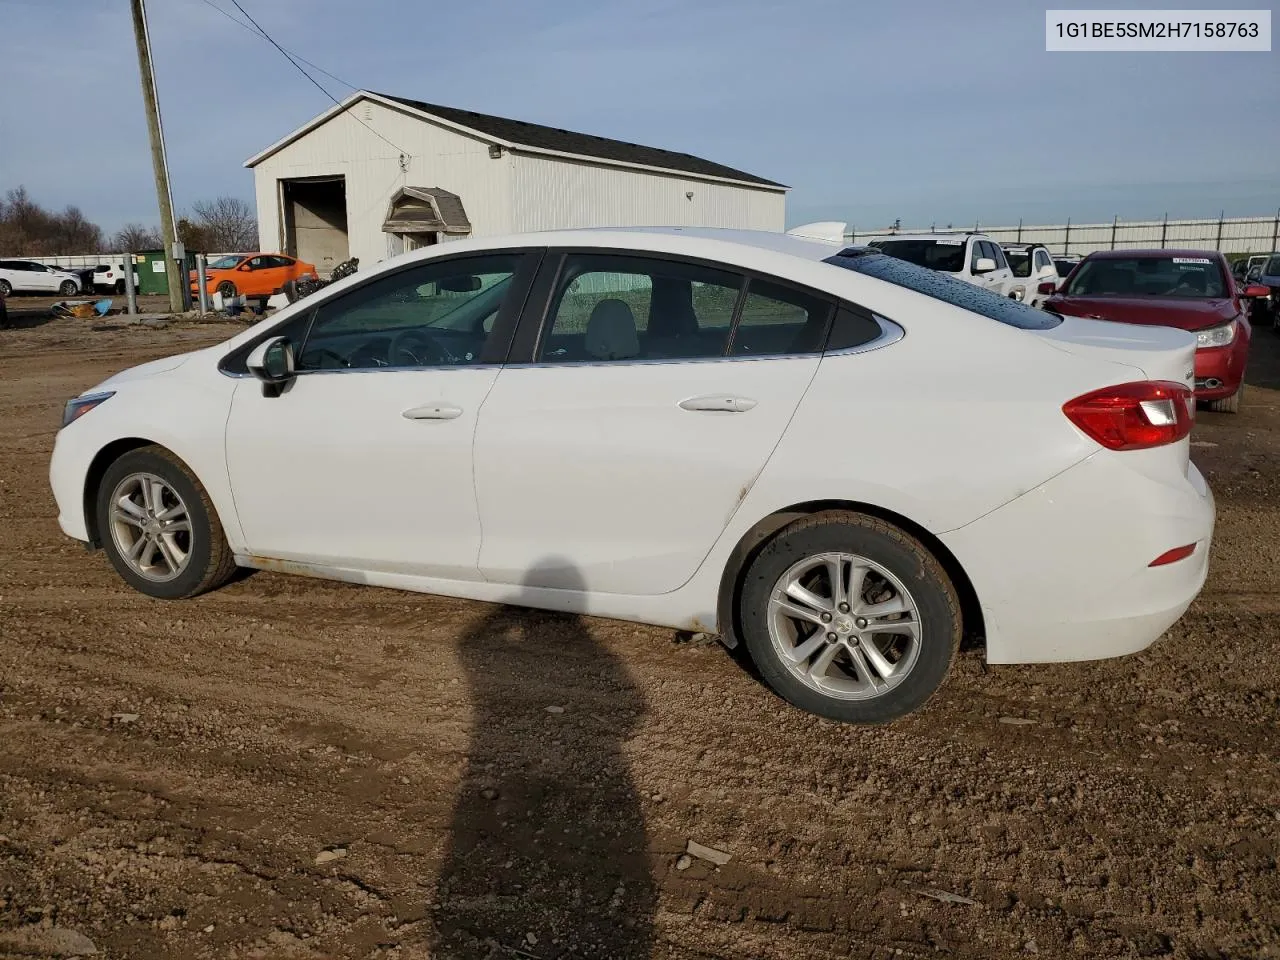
{"points": [[965, 256], [110, 276], [27, 276], [1034, 271]]}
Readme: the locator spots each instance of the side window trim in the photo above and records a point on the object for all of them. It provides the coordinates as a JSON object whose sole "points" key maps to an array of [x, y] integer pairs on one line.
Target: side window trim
{"points": [[535, 320], [231, 364]]}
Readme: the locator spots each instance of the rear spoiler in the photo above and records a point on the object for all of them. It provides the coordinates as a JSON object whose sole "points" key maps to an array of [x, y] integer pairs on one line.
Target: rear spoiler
{"points": [[829, 231]]}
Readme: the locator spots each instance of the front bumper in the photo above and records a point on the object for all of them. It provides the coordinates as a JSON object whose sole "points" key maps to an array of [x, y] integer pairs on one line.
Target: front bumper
{"points": [[1062, 573], [1219, 370]]}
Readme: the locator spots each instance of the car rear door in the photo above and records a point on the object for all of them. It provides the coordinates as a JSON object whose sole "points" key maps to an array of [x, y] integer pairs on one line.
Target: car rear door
{"points": [[365, 461], [616, 446]]}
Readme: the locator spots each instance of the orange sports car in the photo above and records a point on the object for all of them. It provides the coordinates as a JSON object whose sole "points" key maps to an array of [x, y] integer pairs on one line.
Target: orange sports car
{"points": [[251, 274]]}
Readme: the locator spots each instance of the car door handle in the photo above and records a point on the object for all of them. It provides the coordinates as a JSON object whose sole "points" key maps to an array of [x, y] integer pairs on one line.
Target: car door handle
{"points": [[719, 403], [433, 411]]}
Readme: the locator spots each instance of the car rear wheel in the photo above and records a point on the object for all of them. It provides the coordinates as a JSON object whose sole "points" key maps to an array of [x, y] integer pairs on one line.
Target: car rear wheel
{"points": [[159, 528], [1229, 404], [227, 289], [849, 617], [120, 286], [6, 288], [68, 288]]}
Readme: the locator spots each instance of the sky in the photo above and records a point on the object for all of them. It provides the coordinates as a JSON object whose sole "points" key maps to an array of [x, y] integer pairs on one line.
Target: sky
{"points": [[927, 111]]}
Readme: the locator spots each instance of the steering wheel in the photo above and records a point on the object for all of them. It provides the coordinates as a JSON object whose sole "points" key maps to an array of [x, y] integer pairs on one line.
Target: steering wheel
{"points": [[418, 348], [340, 360]]}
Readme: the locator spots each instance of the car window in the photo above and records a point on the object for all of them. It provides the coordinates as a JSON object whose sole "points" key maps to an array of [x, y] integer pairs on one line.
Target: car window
{"points": [[944, 254], [779, 320], [1042, 259], [1165, 276], [434, 314], [942, 287], [610, 307], [1019, 262]]}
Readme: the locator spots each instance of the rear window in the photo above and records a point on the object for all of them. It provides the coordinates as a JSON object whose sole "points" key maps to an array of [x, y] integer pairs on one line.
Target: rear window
{"points": [[945, 255], [942, 287]]}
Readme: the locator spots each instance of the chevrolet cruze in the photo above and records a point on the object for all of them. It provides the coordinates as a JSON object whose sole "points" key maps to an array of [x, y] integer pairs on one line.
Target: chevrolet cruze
{"points": [[842, 460]]}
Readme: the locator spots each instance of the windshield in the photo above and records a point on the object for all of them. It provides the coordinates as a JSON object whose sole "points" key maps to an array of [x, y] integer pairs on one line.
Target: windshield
{"points": [[1272, 267], [226, 263], [1181, 277], [945, 255], [958, 293], [1019, 262]]}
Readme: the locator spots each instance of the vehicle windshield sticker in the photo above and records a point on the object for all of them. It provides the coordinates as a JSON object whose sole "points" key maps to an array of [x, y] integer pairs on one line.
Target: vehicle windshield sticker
{"points": [[1192, 260], [952, 243]]}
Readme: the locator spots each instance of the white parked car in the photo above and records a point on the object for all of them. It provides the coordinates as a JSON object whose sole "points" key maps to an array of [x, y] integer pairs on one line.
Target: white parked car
{"points": [[27, 276], [1034, 273], [839, 458], [971, 257], [110, 276]]}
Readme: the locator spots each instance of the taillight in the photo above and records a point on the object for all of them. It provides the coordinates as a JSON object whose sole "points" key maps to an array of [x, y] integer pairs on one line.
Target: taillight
{"points": [[1134, 416]]}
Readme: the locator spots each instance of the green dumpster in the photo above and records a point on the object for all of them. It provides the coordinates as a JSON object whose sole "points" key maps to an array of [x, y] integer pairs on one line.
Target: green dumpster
{"points": [[152, 278]]}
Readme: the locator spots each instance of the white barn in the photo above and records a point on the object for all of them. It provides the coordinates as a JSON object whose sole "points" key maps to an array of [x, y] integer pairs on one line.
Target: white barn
{"points": [[378, 175]]}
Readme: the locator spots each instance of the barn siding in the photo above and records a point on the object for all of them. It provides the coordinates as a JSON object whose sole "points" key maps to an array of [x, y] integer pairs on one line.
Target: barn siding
{"points": [[552, 194], [437, 157], [514, 193]]}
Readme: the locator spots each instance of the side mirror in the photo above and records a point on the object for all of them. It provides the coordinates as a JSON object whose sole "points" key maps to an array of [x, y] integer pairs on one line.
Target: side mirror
{"points": [[1049, 271], [984, 265], [272, 362], [1048, 287], [1256, 290]]}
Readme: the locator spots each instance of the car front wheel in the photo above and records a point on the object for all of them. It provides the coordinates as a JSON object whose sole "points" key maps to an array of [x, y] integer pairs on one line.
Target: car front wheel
{"points": [[849, 617], [68, 288], [159, 527]]}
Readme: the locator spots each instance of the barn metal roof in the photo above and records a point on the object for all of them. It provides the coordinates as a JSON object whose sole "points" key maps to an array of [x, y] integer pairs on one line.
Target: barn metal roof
{"points": [[537, 138]]}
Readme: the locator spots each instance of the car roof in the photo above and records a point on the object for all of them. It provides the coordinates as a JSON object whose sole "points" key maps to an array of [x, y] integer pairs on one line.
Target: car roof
{"points": [[655, 239], [1152, 254], [933, 236]]}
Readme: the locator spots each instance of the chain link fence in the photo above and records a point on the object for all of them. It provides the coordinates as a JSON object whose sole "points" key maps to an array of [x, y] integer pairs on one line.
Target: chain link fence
{"points": [[1231, 235]]}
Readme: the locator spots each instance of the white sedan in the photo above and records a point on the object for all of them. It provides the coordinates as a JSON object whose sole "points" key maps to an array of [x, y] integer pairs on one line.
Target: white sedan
{"points": [[843, 460]]}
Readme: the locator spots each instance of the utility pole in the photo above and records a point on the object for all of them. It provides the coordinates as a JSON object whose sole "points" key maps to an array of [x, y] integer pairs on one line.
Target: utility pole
{"points": [[159, 162]]}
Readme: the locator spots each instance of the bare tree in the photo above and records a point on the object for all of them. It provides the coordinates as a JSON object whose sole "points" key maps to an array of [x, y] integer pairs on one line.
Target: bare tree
{"points": [[133, 237], [28, 229], [226, 224]]}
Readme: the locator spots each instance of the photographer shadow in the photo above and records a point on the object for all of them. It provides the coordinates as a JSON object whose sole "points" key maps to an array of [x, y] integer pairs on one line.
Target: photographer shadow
{"points": [[547, 853]]}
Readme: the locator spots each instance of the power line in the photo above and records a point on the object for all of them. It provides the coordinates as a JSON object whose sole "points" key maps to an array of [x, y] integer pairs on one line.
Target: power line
{"points": [[258, 33], [314, 81]]}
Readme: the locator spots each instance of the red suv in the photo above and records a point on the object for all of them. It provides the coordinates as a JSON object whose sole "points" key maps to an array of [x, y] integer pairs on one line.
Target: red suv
{"points": [[1189, 289]]}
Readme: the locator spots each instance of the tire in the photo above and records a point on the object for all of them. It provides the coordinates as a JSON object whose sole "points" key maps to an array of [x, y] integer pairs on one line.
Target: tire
{"points": [[68, 288], [227, 289], [6, 288], [209, 562], [1229, 404], [120, 287], [848, 696]]}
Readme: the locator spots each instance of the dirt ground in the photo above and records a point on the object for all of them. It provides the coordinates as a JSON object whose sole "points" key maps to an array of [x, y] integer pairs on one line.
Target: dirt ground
{"points": [[290, 768]]}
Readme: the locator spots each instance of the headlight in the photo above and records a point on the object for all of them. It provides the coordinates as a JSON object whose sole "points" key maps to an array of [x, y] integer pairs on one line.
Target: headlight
{"points": [[1216, 336], [77, 408]]}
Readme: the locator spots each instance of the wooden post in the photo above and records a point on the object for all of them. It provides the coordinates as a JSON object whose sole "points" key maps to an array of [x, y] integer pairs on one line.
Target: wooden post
{"points": [[1114, 222], [159, 163], [1066, 245], [1164, 230], [1218, 243]]}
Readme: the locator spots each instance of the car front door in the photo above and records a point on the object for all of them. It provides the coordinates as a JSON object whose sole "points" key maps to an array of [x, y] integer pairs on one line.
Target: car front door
{"points": [[37, 278], [364, 462], [613, 458]]}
